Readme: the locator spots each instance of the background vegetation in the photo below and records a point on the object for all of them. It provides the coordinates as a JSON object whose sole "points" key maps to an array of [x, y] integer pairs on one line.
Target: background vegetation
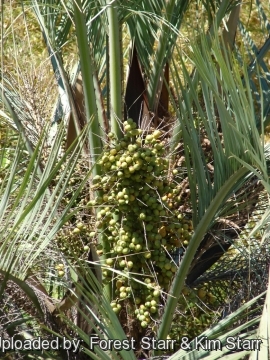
{"points": [[134, 174]]}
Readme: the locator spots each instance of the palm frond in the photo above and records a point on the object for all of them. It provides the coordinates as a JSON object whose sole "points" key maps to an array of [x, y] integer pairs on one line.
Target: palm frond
{"points": [[240, 141]]}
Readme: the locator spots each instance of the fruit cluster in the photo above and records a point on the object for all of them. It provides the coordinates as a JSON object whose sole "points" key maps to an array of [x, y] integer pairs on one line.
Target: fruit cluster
{"points": [[73, 237], [73, 241], [196, 310], [137, 203]]}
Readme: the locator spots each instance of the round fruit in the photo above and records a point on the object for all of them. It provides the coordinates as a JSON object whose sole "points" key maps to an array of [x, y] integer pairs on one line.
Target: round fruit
{"points": [[138, 247], [123, 295], [185, 291], [201, 293], [156, 293], [129, 264], [80, 225], [109, 261], [116, 310]]}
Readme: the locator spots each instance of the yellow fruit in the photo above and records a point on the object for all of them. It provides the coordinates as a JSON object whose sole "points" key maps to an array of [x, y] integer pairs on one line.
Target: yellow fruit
{"points": [[201, 293], [79, 225], [162, 231], [116, 310], [212, 298], [185, 291], [157, 134]]}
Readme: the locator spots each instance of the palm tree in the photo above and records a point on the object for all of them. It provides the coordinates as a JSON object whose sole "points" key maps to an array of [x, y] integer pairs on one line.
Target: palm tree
{"points": [[32, 206]]}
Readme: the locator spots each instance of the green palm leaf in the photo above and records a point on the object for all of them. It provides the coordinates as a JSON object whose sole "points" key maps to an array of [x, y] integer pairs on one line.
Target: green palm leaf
{"points": [[241, 141]]}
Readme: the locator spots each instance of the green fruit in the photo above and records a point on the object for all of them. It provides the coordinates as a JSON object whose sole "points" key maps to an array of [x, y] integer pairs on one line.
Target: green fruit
{"points": [[127, 127], [116, 310], [147, 255], [157, 244], [156, 134], [149, 227], [123, 295], [156, 293], [142, 216], [113, 151], [132, 246], [109, 262], [122, 263], [129, 264], [119, 249], [121, 243], [173, 268], [138, 247]]}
